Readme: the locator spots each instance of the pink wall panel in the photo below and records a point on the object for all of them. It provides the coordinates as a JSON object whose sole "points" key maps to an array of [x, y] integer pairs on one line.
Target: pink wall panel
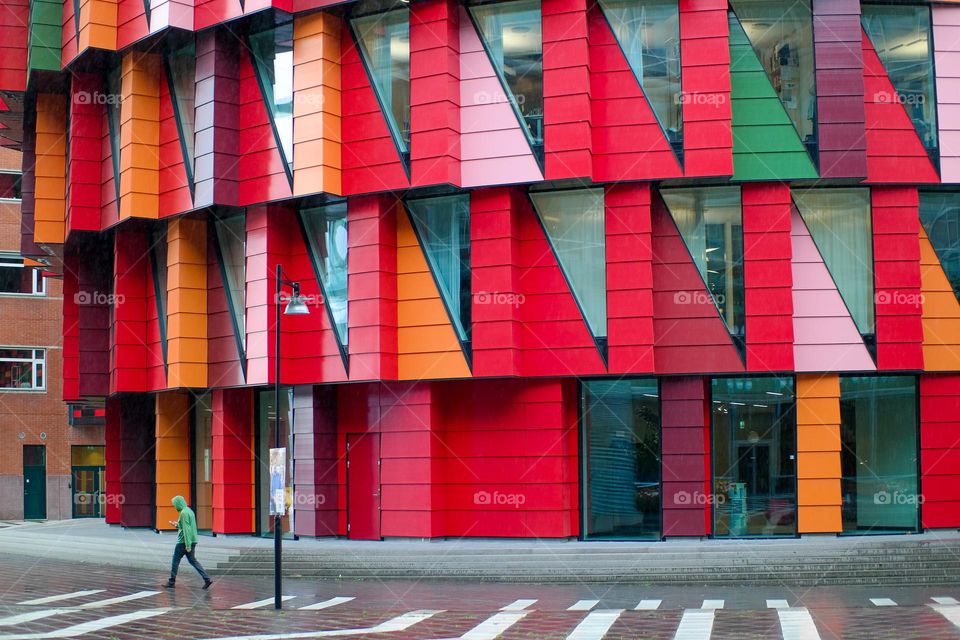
{"points": [[946, 45], [223, 360], [493, 147], [171, 13], [210, 12], [685, 456], [825, 336]]}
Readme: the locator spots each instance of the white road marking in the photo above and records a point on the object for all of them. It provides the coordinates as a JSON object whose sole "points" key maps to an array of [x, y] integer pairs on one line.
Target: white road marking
{"points": [[261, 603], [942, 600], [949, 611], [518, 605], [494, 626], [777, 604], [99, 604], [399, 623], [797, 624], [62, 596], [583, 605], [648, 605], [883, 602], [712, 604], [30, 616], [91, 626], [326, 604], [595, 625], [696, 624]]}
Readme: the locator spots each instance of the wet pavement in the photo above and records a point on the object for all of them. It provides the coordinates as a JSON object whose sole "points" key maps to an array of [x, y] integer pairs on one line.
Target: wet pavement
{"points": [[55, 599]]}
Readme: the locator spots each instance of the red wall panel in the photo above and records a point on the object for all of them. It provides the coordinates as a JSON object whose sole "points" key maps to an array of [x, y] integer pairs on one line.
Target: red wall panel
{"points": [[224, 368], [174, 187], [71, 325], [210, 12], [94, 288], [233, 461], [156, 370], [685, 456], [128, 372], [940, 450], [136, 460], [131, 22], [267, 246], [83, 163], [14, 32], [113, 471], [109, 208]]}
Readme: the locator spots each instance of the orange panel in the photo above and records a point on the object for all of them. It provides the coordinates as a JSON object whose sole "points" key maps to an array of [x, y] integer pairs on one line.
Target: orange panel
{"points": [[172, 454], [187, 303], [818, 453], [140, 136], [98, 25], [941, 312], [826, 519], [50, 169]]}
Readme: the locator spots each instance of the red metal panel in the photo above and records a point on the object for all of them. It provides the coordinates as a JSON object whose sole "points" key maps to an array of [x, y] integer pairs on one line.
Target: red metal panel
{"points": [[689, 334], [113, 472], [68, 35], [208, 13], [894, 152], [83, 164], [629, 278], [566, 90], [685, 458], [174, 187], [128, 372], [217, 121], [14, 21], [896, 260], [156, 371], [267, 245], [767, 275], [705, 82], [109, 212], [95, 286], [131, 22], [435, 93], [71, 326], [136, 460], [316, 460], [628, 143], [940, 450], [233, 461], [371, 162]]}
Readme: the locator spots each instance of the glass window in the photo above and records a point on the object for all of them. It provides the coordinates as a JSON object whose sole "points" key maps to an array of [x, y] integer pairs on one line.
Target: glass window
{"points": [[232, 242], [649, 35], [385, 45], [114, 97], [22, 368], [512, 35], [158, 260], [15, 278], [34, 455], [900, 34], [203, 461], [273, 53], [326, 231], [839, 223], [940, 215], [181, 67], [878, 456], [781, 32], [754, 457], [87, 456], [711, 224], [574, 225], [443, 229], [621, 422]]}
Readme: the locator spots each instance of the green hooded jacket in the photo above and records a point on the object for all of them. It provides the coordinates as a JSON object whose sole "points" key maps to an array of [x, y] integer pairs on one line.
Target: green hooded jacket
{"points": [[186, 523]]}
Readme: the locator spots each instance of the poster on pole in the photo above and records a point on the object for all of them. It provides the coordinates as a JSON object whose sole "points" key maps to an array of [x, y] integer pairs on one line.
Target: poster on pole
{"points": [[278, 481]]}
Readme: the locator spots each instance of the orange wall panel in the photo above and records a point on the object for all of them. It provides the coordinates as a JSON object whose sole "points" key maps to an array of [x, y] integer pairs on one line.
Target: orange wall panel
{"points": [[50, 169], [941, 312], [818, 453], [140, 136], [172, 454], [187, 303], [98, 24]]}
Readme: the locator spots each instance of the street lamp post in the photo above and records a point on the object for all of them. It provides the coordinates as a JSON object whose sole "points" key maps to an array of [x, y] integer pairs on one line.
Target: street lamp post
{"points": [[295, 307]]}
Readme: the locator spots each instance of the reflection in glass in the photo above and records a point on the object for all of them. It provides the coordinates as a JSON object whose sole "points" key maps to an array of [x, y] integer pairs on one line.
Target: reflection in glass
{"points": [[87, 455], [940, 215], [900, 34], [266, 441], [878, 456], [114, 91], [232, 241], [326, 229], [385, 44], [511, 32], [273, 53], [781, 32], [182, 69], [839, 222], [622, 440], [443, 228], [754, 457], [711, 224], [574, 224], [649, 35], [203, 461]]}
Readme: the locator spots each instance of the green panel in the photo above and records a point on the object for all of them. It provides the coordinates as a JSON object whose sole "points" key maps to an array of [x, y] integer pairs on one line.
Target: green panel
{"points": [[45, 35], [765, 142]]}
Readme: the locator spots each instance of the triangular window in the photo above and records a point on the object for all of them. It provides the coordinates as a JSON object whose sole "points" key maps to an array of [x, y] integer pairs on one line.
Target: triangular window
{"points": [[781, 32], [940, 215], [442, 226], [574, 225], [710, 222], [325, 231], [231, 234], [273, 61], [181, 66], [900, 34], [158, 265], [649, 36], [384, 45], [146, 11], [511, 33], [114, 97], [839, 223]]}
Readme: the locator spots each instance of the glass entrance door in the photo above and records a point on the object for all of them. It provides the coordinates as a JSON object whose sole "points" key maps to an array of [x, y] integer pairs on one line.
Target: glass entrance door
{"points": [[87, 492]]}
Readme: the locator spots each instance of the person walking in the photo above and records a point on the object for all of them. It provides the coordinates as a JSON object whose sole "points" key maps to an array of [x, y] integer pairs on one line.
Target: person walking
{"points": [[186, 526]]}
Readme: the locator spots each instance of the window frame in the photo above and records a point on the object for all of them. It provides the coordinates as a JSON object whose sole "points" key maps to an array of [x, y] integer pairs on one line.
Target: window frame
{"points": [[34, 361], [38, 287]]}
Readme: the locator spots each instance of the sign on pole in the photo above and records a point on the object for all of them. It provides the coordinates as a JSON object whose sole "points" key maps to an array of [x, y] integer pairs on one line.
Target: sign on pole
{"points": [[278, 482]]}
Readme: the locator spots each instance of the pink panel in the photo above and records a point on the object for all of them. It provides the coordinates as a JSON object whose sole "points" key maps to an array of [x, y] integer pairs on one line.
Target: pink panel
{"points": [[825, 336], [946, 44], [493, 147]]}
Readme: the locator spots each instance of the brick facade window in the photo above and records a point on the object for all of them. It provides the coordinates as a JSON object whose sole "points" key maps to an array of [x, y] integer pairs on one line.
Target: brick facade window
{"points": [[23, 369]]}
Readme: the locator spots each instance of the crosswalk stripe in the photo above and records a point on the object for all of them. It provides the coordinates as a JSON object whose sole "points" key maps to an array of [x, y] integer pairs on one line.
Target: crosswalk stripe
{"points": [[326, 604], [91, 626], [595, 625], [712, 604], [261, 603], [944, 600], [399, 623], [30, 616], [797, 624], [648, 605], [948, 610], [583, 605], [62, 596], [777, 604], [494, 626], [98, 604], [518, 605], [696, 624], [883, 602]]}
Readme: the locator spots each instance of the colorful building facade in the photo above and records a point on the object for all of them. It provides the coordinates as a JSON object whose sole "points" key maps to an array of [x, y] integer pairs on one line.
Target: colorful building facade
{"points": [[624, 269]]}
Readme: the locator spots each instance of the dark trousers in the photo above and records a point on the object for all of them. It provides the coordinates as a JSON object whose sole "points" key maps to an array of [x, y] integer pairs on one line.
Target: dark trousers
{"points": [[178, 552]]}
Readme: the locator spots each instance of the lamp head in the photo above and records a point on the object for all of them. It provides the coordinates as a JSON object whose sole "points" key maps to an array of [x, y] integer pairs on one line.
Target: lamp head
{"points": [[296, 306]]}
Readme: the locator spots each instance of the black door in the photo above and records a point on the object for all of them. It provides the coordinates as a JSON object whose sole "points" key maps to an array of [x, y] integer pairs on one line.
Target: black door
{"points": [[34, 482]]}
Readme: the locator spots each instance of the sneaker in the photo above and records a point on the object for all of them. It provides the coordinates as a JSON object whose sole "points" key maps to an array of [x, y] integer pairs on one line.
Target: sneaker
{"points": [[207, 583], [169, 584]]}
